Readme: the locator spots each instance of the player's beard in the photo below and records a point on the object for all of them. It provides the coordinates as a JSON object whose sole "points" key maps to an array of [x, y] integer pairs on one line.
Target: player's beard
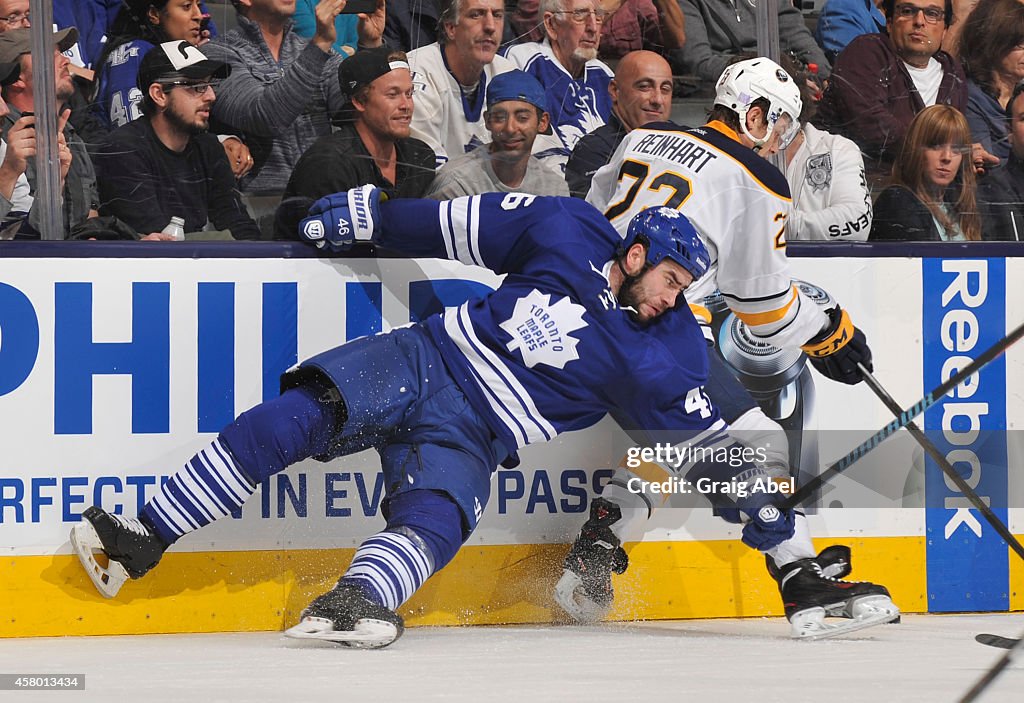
{"points": [[628, 295]]}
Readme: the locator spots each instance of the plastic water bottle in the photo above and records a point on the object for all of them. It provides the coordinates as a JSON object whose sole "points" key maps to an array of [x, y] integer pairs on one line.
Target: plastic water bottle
{"points": [[175, 228]]}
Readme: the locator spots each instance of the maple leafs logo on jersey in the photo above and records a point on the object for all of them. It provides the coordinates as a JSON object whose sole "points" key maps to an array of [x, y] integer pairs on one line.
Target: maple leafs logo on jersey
{"points": [[541, 330]]}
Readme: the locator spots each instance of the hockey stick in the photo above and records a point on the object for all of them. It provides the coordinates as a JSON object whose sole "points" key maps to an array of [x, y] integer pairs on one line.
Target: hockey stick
{"points": [[997, 668], [943, 463], [904, 418], [997, 641]]}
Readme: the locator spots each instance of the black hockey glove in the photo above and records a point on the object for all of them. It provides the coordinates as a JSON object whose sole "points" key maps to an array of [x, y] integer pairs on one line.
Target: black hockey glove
{"points": [[837, 351]]}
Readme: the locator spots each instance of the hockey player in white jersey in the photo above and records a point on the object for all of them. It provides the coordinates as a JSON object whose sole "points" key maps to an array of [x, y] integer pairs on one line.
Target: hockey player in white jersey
{"points": [[739, 203]]}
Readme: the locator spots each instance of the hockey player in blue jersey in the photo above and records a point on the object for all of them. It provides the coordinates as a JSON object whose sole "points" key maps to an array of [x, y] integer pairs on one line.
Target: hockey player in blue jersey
{"points": [[583, 324]]}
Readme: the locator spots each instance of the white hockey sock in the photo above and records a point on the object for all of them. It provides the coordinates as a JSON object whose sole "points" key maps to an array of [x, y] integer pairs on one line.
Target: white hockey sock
{"points": [[636, 508], [797, 547], [756, 430], [209, 486], [389, 567]]}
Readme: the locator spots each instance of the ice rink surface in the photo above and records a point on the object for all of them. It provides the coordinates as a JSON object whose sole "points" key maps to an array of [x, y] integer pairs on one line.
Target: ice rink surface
{"points": [[927, 658]]}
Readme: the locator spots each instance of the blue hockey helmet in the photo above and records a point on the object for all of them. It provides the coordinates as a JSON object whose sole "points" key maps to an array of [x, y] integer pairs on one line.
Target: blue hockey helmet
{"points": [[668, 234]]}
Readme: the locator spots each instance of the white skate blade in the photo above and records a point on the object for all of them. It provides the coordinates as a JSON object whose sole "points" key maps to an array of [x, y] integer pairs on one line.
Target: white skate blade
{"points": [[369, 633], [86, 542], [570, 597], [866, 611]]}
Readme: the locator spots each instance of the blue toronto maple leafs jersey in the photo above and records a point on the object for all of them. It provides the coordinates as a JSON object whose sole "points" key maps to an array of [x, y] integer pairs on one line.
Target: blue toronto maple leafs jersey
{"points": [[550, 350], [118, 98]]}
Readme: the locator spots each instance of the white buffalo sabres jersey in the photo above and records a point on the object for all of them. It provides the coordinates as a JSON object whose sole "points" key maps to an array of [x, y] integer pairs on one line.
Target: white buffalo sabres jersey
{"points": [[739, 204]]}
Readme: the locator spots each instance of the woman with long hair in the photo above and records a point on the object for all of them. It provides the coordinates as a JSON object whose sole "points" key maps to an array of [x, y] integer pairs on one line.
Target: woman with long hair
{"points": [[932, 191], [140, 25], [992, 51]]}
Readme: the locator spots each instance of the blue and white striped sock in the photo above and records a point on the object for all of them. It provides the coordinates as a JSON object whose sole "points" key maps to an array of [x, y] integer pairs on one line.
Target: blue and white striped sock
{"points": [[209, 486], [389, 567]]}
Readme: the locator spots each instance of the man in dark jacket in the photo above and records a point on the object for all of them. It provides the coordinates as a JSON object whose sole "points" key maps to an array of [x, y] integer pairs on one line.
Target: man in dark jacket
{"points": [[641, 93], [881, 81], [165, 164], [372, 145]]}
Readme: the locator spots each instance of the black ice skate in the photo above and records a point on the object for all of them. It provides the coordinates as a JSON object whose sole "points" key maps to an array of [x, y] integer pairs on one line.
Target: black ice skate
{"points": [[813, 589], [131, 548], [346, 616], [585, 589]]}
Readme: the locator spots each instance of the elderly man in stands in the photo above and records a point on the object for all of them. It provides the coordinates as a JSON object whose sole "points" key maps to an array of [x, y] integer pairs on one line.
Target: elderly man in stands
{"points": [[373, 144], [881, 81], [641, 93], [79, 192], [165, 164], [450, 77], [516, 114], [282, 88], [575, 81]]}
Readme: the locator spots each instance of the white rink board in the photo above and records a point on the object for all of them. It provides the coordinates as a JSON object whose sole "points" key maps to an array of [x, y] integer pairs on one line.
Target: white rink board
{"points": [[883, 296]]}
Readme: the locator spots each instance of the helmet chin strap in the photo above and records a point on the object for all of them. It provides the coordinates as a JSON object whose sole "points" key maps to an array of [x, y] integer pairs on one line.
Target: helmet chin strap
{"points": [[759, 142]]}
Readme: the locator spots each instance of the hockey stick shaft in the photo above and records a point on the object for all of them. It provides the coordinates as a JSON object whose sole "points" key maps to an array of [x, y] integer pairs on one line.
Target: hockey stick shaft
{"points": [[943, 463], [904, 417], [997, 668]]}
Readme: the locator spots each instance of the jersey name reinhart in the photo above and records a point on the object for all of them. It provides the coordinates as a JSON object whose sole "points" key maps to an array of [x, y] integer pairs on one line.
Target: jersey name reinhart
{"points": [[676, 147]]}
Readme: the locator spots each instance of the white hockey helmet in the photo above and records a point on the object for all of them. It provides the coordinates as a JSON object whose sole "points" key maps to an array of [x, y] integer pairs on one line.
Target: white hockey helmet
{"points": [[745, 81]]}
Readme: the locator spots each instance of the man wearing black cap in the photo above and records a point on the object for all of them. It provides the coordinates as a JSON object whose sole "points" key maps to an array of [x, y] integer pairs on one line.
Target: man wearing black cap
{"points": [[516, 114], [80, 194], [373, 143], [165, 164]]}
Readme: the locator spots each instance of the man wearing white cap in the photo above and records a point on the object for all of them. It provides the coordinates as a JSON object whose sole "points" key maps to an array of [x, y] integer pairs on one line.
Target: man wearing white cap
{"points": [[165, 164]]}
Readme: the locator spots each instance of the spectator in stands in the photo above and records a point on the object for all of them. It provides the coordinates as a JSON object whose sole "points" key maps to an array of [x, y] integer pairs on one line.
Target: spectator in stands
{"points": [[16, 14], [992, 51], [165, 164], [450, 77], [16, 199], [842, 21], [282, 87], [831, 198], [719, 33], [962, 9], [346, 39], [516, 114], [575, 81], [411, 24], [140, 25], [881, 81], [632, 25], [1001, 192], [373, 144], [641, 92], [80, 195], [932, 192]]}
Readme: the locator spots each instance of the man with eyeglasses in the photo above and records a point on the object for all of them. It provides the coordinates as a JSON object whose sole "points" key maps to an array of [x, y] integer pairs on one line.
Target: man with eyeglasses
{"points": [[79, 192], [575, 81], [165, 164], [881, 81]]}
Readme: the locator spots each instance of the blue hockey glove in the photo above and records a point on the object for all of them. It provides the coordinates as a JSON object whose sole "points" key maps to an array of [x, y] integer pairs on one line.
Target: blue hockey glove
{"points": [[768, 527], [339, 220], [836, 352]]}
